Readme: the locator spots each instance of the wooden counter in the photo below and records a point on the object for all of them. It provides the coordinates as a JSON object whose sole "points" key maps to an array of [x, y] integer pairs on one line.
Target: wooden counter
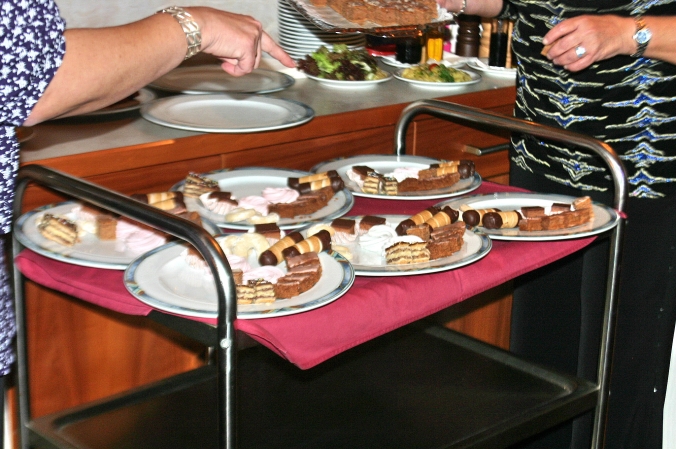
{"points": [[79, 352]]}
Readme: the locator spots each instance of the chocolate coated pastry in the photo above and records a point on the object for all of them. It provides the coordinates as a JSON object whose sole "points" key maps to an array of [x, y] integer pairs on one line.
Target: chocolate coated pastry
{"points": [[454, 214], [362, 170], [291, 251], [439, 219], [466, 169], [293, 183], [220, 196], [274, 254], [321, 241], [337, 182], [404, 225], [492, 220], [471, 217], [499, 219]]}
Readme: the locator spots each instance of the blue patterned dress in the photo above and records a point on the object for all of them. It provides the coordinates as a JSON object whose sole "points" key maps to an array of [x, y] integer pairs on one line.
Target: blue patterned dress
{"points": [[630, 103], [31, 49]]}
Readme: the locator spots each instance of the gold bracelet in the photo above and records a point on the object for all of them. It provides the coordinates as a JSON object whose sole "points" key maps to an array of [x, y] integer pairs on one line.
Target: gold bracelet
{"points": [[193, 34]]}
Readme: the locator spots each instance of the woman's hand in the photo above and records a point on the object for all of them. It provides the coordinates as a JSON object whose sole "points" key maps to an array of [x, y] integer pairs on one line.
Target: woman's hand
{"points": [[237, 40], [578, 42]]}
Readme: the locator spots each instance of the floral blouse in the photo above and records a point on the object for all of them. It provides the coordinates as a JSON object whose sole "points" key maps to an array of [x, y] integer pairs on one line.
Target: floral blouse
{"points": [[31, 48]]}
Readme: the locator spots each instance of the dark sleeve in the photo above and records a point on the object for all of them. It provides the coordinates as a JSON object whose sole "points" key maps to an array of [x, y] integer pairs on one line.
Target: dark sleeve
{"points": [[32, 46], [508, 11]]}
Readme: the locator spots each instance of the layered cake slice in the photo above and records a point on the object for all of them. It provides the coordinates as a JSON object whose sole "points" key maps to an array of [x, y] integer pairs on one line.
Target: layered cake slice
{"points": [[58, 229], [196, 185]]}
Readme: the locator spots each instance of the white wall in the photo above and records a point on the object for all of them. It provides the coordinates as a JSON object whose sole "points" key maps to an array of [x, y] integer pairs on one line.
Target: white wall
{"points": [[100, 13]]}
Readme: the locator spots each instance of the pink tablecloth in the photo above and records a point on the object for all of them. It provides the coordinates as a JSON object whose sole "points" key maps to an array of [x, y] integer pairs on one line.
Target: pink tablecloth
{"points": [[372, 307]]}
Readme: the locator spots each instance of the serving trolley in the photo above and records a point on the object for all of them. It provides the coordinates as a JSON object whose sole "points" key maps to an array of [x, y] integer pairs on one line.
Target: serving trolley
{"points": [[419, 386]]}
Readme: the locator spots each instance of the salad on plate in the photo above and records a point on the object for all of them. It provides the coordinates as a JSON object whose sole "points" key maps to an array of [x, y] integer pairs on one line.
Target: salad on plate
{"points": [[342, 64], [436, 73]]}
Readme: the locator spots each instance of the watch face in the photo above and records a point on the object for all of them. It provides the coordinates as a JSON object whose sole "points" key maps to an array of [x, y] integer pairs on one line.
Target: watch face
{"points": [[643, 36]]}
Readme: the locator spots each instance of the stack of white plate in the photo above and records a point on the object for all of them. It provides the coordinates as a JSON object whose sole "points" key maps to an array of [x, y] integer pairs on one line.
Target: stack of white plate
{"points": [[299, 37]]}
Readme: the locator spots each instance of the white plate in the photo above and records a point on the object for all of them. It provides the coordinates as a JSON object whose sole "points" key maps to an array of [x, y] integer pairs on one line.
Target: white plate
{"points": [[143, 96], [369, 263], [348, 84], [227, 113], [605, 218], [211, 79], [247, 181], [163, 280], [88, 252], [383, 163], [481, 66], [475, 78]]}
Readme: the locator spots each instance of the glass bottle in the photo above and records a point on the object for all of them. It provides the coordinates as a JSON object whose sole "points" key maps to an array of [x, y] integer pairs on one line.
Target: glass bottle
{"points": [[497, 56], [435, 42], [409, 49]]}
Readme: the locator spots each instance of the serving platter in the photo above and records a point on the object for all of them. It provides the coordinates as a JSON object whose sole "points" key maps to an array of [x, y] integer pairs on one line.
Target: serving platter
{"points": [[205, 79], [90, 251], [605, 218], [384, 163], [249, 181], [163, 279], [371, 263], [227, 113]]}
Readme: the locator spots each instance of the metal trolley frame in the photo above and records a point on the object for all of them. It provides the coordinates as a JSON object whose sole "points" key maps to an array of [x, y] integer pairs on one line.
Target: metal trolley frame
{"points": [[226, 409]]}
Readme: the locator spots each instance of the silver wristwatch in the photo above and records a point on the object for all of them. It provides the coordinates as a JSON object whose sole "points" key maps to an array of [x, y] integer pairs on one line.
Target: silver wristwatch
{"points": [[193, 34], [642, 36]]}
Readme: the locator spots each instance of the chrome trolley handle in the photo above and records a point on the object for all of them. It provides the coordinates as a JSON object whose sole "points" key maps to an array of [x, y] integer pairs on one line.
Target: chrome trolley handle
{"points": [[164, 221], [468, 116]]}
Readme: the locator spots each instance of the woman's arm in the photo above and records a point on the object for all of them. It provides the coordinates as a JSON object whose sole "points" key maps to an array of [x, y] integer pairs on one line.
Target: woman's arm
{"points": [[606, 36], [104, 65], [483, 8]]}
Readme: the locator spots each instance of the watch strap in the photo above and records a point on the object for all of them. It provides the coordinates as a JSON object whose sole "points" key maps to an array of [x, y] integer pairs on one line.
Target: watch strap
{"points": [[193, 34]]}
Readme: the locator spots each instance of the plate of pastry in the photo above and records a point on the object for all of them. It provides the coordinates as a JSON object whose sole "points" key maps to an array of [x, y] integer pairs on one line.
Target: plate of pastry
{"points": [[241, 198], [175, 279], [81, 234], [534, 216], [205, 79], [403, 177], [396, 245]]}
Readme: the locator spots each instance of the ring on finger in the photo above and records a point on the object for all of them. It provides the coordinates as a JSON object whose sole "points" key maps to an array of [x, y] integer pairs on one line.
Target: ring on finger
{"points": [[580, 51]]}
